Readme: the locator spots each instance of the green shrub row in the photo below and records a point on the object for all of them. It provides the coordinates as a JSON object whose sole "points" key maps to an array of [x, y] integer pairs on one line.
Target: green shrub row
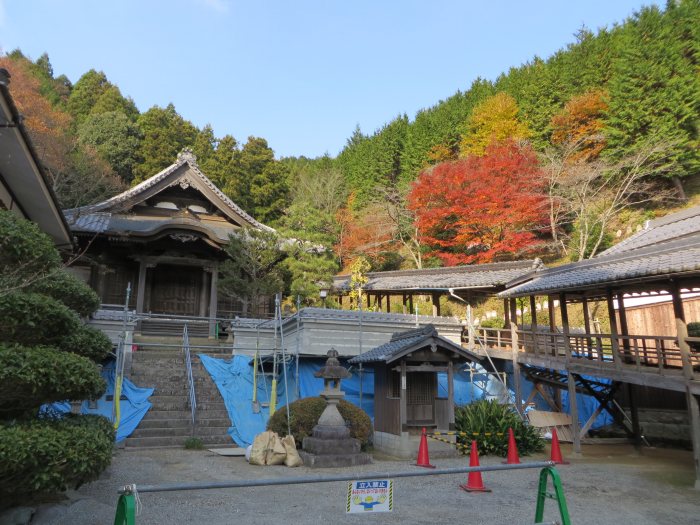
{"points": [[304, 414], [69, 290], [35, 319], [43, 456], [488, 422], [32, 376]]}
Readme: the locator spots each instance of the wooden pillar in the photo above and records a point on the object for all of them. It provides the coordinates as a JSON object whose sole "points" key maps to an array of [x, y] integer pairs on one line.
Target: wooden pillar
{"points": [[436, 304], [573, 410], [533, 321], [634, 413], [410, 304], [450, 396], [378, 301], [470, 327], [141, 292], [587, 326], [552, 324], [402, 401], [623, 327], [403, 302], [213, 301], [506, 313], [388, 303], [203, 295], [614, 342], [565, 325], [514, 356], [691, 399]]}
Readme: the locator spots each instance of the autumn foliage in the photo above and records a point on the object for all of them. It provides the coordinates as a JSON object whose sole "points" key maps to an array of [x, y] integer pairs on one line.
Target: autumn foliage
{"points": [[580, 125], [481, 209]]}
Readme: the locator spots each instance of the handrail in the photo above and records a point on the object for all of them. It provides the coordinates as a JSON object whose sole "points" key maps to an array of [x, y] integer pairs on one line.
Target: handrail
{"points": [[190, 381]]}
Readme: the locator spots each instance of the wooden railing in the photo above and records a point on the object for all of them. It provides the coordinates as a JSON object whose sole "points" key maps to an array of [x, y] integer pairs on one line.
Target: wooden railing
{"points": [[661, 352]]}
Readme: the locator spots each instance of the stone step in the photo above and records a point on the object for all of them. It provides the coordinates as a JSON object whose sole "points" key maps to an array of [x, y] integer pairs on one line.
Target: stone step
{"points": [[157, 414], [176, 441], [200, 431], [182, 405], [184, 422]]}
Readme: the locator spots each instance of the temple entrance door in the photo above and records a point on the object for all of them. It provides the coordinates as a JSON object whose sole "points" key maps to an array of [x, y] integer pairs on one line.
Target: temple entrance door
{"points": [[421, 391], [176, 290]]}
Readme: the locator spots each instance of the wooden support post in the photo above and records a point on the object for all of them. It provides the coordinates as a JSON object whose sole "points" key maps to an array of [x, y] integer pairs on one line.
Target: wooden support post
{"points": [[203, 295], [623, 327], [694, 411], [402, 401], [614, 341], [388, 303], [587, 326], [565, 325], [573, 410], [141, 292], [533, 321], [410, 304], [506, 313], [634, 413], [450, 396], [403, 302], [436, 304], [552, 323], [213, 302], [514, 356]]}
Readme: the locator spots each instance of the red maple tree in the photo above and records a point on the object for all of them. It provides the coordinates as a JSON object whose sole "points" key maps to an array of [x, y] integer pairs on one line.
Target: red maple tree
{"points": [[481, 209]]}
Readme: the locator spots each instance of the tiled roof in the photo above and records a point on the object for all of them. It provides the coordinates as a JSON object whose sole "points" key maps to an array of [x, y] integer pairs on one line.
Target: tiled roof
{"points": [[117, 203], [669, 246], [456, 277], [404, 341], [353, 316]]}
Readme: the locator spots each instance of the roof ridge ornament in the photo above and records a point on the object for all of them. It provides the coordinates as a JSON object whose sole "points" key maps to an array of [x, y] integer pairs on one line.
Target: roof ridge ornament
{"points": [[187, 155]]}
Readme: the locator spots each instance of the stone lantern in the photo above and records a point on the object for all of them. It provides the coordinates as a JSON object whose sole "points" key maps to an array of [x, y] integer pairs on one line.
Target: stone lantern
{"points": [[330, 444]]}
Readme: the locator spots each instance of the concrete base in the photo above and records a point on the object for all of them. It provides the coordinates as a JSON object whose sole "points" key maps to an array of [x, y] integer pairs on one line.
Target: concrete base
{"points": [[334, 460], [406, 446]]}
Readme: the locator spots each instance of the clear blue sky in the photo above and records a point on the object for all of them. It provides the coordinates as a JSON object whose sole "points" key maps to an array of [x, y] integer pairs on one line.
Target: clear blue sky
{"points": [[299, 73]]}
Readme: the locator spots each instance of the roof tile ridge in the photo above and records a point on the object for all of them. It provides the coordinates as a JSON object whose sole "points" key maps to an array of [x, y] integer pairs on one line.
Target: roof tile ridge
{"points": [[207, 181], [501, 265]]}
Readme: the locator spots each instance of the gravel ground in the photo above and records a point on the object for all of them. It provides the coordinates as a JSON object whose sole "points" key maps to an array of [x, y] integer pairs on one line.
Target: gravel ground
{"points": [[610, 484]]}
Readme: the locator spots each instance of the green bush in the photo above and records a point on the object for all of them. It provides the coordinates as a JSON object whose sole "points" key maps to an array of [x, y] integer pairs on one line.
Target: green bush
{"points": [[30, 318], [304, 414], [194, 443], [494, 322], [43, 456], [26, 254], [488, 423], [32, 376], [694, 329], [88, 342], [70, 290]]}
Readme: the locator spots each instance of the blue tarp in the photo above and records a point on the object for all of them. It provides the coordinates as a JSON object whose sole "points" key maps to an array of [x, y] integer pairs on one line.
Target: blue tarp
{"points": [[133, 405]]}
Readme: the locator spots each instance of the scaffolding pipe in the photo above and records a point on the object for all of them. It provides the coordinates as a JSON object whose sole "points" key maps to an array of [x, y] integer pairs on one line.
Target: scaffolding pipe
{"points": [[355, 476]]}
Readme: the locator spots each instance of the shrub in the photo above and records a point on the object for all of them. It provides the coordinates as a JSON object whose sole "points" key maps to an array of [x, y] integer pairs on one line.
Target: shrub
{"points": [[70, 290], [304, 414], [694, 329], [488, 423], [494, 322], [26, 254], [42, 456], [88, 342], [32, 376], [194, 443], [30, 318]]}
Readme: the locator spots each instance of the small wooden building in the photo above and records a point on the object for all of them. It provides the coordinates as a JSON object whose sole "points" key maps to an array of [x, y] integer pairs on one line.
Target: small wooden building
{"points": [[406, 386]]}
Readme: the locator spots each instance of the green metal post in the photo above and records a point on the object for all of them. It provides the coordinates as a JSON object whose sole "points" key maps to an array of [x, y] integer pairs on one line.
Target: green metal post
{"points": [[126, 510], [558, 495]]}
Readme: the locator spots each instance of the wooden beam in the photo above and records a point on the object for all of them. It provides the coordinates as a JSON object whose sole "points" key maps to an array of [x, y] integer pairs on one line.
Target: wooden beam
{"points": [[614, 341], [402, 401], [623, 326], [694, 411], [573, 410], [634, 416], [681, 330], [436, 304], [565, 324], [506, 313], [388, 303], [213, 302], [587, 325], [514, 356], [450, 396]]}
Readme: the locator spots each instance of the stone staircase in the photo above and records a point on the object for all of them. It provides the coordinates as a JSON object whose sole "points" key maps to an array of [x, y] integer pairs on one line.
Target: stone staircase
{"points": [[160, 365]]}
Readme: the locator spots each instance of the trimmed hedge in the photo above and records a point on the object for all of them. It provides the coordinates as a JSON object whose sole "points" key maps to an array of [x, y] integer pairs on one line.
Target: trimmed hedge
{"points": [[43, 456], [32, 376], [31, 318], [304, 414], [485, 420], [70, 290], [26, 254], [88, 342]]}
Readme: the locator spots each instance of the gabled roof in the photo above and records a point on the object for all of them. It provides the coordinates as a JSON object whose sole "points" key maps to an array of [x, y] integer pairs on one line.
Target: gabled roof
{"points": [[475, 276], [24, 186], [667, 247], [403, 343], [111, 216]]}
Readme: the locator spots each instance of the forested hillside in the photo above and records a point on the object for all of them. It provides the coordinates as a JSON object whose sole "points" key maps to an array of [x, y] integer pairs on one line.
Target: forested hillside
{"points": [[553, 158]]}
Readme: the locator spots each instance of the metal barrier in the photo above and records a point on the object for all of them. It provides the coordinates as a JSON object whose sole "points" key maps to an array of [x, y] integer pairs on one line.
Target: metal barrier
{"points": [[190, 380], [129, 494]]}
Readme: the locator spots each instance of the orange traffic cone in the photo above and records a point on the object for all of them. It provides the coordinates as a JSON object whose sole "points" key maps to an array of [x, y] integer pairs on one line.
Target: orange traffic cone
{"points": [[556, 452], [512, 458], [423, 457], [474, 481]]}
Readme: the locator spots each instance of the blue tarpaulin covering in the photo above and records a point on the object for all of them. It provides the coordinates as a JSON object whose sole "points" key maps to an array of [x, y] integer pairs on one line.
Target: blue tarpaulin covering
{"points": [[133, 405]]}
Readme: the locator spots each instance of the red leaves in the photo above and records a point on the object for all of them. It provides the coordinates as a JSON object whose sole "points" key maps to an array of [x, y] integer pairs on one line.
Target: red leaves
{"points": [[480, 209]]}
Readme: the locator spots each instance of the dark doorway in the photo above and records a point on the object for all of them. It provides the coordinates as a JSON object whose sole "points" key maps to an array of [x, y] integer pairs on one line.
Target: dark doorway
{"points": [[175, 290]]}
